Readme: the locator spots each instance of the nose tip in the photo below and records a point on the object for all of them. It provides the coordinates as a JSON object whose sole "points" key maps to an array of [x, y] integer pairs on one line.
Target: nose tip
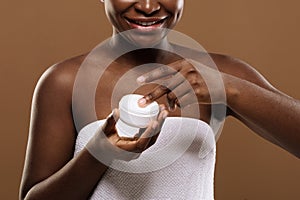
{"points": [[147, 6]]}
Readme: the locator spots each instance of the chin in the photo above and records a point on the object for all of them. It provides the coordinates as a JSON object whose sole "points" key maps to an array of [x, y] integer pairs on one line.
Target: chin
{"points": [[145, 38]]}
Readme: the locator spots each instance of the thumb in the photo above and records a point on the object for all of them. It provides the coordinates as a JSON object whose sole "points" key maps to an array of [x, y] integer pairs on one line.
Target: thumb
{"points": [[111, 120]]}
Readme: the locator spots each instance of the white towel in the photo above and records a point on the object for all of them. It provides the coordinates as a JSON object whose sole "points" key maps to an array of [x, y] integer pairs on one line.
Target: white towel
{"points": [[180, 165]]}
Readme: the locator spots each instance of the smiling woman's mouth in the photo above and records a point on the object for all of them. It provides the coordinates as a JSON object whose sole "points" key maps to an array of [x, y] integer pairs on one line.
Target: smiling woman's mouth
{"points": [[147, 23]]}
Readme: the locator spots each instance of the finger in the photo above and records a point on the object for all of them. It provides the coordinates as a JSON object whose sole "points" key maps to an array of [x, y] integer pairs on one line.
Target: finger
{"points": [[161, 90], [109, 125], [172, 99], [139, 134], [160, 72], [144, 140], [140, 144], [153, 134], [127, 144], [177, 93], [161, 118], [156, 93], [162, 107]]}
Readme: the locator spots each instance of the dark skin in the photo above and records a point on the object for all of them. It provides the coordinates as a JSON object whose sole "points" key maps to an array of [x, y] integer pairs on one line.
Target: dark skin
{"points": [[50, 170]]}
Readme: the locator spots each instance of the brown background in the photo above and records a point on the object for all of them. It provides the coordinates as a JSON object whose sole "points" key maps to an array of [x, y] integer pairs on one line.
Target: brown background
{"points": [[36, 34]]}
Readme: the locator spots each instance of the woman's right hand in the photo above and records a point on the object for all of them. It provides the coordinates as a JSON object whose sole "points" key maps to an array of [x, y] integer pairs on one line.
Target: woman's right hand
{"points": [[142, 141]]}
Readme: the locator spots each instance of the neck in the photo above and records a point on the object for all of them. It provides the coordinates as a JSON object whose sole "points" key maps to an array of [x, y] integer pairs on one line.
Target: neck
{"points": [[138, 55]]}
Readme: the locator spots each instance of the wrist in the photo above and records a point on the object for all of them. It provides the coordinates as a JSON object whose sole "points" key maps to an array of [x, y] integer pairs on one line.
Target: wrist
{"points": [[97, 147]]}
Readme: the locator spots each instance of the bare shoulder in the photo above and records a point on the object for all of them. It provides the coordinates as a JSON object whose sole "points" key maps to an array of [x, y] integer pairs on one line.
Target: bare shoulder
{"points": [[52, 98], [57, 81], [241, 69], [227, 64]]}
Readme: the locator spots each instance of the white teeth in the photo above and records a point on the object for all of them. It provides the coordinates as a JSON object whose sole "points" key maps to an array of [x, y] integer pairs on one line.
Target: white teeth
{"points": [[145, 23]]}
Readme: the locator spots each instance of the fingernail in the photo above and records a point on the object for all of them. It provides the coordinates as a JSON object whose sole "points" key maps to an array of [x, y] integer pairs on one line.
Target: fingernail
{"points": [[141, 79], [142, 102]]}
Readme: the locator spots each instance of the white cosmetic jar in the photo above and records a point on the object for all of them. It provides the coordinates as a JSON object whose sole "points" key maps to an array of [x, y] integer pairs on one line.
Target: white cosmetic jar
{"points": [[133, 117]]}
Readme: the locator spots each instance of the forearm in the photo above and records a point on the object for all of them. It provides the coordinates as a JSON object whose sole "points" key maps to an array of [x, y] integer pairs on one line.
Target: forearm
{"points": [[76, 180], [276, 116]]}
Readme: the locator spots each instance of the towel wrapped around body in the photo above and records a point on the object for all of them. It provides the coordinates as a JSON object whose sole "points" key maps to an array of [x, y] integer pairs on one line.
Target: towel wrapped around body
{"points": [[180, 165]]}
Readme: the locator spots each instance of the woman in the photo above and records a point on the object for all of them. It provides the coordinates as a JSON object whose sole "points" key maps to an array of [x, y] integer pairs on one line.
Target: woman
{"points": [[51, 171]]}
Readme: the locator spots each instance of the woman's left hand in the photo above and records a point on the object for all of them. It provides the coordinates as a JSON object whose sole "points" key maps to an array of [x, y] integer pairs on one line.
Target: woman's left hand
{"points": [[185, 82]]}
